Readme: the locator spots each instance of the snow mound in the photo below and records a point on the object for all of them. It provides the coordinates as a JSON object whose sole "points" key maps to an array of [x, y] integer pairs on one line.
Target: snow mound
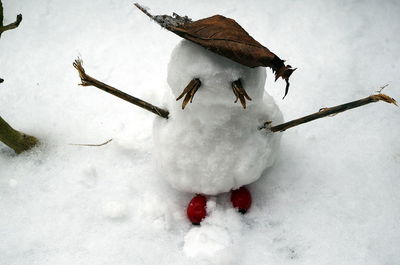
{"points": [[217, 240]]}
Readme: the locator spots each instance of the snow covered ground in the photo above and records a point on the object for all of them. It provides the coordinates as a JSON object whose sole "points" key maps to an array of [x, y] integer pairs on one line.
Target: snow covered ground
{"points": [[331, 198]]}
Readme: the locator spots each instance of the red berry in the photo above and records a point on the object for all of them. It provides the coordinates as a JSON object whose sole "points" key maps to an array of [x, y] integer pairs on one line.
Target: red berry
{"points": [[241, 199], [196, 210]]}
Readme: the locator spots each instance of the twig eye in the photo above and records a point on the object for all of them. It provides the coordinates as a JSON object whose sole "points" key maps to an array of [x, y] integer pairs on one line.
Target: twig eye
{"points": [[240, 92], [189, 91]]}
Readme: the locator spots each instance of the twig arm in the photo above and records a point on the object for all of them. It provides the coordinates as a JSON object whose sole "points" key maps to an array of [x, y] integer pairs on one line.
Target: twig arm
{"points": [[333, 110], [90, 81]]}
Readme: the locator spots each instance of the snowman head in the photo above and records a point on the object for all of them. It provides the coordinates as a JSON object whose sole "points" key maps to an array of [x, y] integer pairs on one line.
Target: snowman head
{"points": [[218, 79]]}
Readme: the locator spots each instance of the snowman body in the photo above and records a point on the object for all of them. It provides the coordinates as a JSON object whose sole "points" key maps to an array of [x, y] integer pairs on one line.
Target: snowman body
{"points": [[214, 145]]}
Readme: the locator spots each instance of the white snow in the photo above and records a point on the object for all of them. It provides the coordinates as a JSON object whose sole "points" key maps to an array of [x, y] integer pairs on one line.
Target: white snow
{"points": [[332, 197], [114, 210], [214, 145], [217, 237]]}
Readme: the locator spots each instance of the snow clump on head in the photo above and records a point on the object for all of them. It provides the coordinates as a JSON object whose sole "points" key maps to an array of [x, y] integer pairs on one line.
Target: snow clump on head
{"points": [[216, 73]]}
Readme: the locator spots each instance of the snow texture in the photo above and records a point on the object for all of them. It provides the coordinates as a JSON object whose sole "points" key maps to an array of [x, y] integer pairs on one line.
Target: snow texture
{"points": [[214, 145], [332, 196]]}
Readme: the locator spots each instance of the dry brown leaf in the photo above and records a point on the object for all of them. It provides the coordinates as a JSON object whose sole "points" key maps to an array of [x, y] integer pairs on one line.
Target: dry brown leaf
{"points": [[227, 38]]}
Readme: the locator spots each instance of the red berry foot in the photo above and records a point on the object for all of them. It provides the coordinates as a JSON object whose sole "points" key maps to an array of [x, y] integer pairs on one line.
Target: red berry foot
{"points": [[241, 199], [196, 210]]}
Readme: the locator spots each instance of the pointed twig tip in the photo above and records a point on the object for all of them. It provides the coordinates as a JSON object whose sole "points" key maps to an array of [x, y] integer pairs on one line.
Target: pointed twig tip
{"points": [[385, 98], [144, 10]]}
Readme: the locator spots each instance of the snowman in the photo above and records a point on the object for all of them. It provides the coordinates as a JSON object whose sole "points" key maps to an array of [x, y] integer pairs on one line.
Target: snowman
{"points": [[209, 145], [214, 146]]}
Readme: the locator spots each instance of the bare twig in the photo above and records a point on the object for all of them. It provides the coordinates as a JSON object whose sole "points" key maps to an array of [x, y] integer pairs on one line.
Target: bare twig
{"points": [[11, 25], [90, 81], [14, 139], [332, 111], [106, 142]]}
